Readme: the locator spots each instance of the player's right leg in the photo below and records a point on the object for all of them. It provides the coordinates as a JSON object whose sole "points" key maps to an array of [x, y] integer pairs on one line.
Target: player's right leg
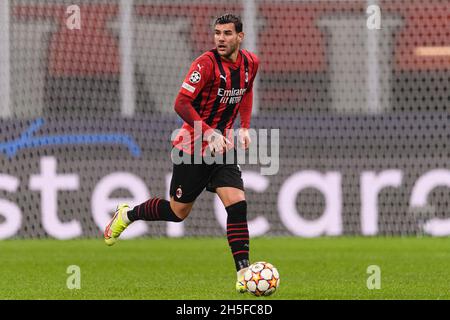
{"points": [[227, 183], [237, 228]]}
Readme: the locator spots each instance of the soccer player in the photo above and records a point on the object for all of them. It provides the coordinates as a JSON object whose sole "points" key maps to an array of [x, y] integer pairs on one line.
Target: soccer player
{"points": [[217, 87]]}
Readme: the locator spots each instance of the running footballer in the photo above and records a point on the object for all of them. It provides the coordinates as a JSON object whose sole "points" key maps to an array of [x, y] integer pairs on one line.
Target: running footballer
{"points": [[217, 87]]}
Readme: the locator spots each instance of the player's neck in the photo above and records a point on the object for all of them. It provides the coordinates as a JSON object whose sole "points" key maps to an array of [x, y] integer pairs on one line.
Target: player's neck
{"points": [[232, 57]]}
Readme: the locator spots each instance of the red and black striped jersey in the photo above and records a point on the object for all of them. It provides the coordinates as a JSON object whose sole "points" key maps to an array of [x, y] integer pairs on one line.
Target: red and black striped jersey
{"points": [[218, 90]]}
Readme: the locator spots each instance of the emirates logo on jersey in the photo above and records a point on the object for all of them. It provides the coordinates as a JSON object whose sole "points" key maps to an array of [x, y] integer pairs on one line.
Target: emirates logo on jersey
{"points": [[195, 77], [232, 96]]}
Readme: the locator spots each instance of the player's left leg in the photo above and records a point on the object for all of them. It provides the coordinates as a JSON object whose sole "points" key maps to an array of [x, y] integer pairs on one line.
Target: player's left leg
{"points": [[188, 181], [154, 209], [237, 230]]}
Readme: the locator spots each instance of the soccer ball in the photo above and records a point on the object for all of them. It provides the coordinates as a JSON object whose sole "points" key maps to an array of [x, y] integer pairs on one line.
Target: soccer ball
{"points": [[261, 279]]}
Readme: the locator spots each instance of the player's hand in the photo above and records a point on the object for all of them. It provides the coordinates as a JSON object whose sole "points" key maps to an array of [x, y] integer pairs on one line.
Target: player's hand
{"points": [[244, 138], [217, 143]]}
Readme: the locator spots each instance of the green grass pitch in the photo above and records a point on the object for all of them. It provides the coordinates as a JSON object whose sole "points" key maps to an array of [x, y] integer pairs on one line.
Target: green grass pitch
{"points": [[202, 268]]}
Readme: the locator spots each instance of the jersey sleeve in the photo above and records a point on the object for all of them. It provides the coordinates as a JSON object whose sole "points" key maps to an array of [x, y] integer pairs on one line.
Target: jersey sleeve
{"points": [[198, 76], [184, 108], [245, 109], [255, 70]]}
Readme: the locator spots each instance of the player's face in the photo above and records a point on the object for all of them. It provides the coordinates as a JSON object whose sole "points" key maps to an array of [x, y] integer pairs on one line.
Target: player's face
{"points": [[227, 40]]}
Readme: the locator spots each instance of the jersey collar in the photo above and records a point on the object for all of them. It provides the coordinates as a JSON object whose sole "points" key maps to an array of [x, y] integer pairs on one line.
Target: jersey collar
{"points": [[235, 64]]}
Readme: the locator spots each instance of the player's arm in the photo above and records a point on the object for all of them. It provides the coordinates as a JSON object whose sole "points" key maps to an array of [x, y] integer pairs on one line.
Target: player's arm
{"points": [[199, 74], [196, 79], [183, 107], [245, 110]]}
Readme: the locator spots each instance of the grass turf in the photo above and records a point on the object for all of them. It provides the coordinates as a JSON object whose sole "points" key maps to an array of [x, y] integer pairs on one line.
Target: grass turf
{"points": [[202, 268]]}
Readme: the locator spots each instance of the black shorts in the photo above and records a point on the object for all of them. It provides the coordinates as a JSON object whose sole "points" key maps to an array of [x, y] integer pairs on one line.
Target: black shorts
{"points": [[189, 180]]}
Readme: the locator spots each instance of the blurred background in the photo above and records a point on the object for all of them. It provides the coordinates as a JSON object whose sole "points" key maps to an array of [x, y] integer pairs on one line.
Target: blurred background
{"points": [[360, 91]]}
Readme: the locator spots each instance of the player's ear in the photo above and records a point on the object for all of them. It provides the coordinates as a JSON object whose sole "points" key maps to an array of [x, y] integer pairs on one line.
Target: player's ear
{"points": [[241, 36]]}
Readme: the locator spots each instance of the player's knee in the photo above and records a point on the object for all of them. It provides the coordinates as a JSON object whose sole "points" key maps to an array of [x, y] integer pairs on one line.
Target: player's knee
{"points": [[182, 213], [238, 198], [238, 208], [181, 210], [230, 196]]}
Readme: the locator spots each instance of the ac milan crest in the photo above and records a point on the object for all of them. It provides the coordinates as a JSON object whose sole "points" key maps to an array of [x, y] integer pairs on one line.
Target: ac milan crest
{"points": [[179, 193]]}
